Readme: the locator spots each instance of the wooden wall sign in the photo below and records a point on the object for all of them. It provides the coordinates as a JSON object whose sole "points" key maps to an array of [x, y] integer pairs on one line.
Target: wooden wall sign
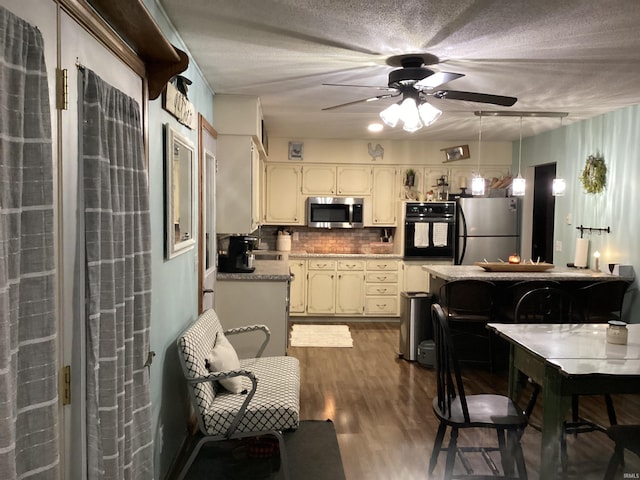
{"points": [[178, 105]]}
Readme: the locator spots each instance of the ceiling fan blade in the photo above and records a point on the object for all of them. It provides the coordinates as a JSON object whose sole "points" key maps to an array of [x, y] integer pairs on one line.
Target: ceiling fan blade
{"points": [[388, 89], [370, 99], [437, 79], [475, 97]]}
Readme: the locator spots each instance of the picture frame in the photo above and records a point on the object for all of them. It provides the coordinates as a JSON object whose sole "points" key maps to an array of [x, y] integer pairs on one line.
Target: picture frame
{"points": [[296, 150], [180, 188], [459, 152]]}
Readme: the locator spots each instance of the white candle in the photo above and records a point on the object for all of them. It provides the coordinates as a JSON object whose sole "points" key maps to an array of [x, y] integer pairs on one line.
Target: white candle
{"points": [[463, 182], [596, 255]]}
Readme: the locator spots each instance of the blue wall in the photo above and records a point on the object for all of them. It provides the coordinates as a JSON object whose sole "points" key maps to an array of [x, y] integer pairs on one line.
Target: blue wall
{"points": [[615, 136], [175, 281]]}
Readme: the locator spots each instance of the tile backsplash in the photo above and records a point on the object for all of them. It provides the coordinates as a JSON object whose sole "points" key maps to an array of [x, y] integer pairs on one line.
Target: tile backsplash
{"points": [[315, 240]]}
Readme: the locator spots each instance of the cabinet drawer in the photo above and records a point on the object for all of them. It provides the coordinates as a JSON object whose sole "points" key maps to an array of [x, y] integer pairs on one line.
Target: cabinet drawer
{"points": [[381, 289], [320, 264], [381, 306], [350, 264], [384, 265], [382, 277]]}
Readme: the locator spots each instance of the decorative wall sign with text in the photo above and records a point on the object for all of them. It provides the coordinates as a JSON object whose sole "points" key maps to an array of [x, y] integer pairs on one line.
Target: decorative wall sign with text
{"points": [[178, 105]]}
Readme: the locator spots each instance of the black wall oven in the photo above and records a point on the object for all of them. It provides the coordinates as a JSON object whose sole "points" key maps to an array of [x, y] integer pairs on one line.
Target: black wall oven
{"points": [[429, 230]]}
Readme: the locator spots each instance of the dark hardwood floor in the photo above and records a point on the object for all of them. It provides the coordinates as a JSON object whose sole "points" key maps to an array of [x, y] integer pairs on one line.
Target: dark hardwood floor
{"points": [[381, 407]]}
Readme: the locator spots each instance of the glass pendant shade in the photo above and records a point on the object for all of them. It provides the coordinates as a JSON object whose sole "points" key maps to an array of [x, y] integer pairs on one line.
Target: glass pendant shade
{"points": [[410, 115], [518, 186], [559, 187], [477, 186], [391, 115], [428, 113]]}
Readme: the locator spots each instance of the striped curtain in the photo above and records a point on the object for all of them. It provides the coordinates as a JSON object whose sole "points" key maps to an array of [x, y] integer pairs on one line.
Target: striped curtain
{"points": [[118, 286], [29, 444]]}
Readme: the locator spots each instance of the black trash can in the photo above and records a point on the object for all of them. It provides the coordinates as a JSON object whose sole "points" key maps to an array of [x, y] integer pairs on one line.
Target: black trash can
{"points": [[415, 322]]}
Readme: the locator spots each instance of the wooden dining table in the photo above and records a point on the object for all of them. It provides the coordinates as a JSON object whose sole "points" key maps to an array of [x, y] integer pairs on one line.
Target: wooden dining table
{"points": [[568, 359]]}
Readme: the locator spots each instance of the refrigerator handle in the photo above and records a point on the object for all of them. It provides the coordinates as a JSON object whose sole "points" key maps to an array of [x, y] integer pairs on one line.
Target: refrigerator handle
{"points": [[463, 250]]}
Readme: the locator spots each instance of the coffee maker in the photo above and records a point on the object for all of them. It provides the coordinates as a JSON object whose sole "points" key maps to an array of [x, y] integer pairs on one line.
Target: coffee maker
{"points": [[239, 256]]}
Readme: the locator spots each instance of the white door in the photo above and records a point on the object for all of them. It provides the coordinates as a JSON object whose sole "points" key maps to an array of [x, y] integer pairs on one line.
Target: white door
{"points": [[207, 214], [78, 47]]}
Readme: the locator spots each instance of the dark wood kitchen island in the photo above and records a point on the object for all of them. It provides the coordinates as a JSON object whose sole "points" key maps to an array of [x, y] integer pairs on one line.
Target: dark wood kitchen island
{"points": [[568, 278]]}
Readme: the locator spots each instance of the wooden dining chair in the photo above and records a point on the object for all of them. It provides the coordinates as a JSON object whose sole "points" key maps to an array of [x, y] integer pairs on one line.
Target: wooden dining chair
{"points": [[456, 410], [468, 306], [625, 437]]}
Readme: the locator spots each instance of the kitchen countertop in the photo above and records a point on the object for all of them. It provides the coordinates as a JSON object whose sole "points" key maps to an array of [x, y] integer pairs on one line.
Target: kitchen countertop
{"points": [[266, 270], [473, 272]]}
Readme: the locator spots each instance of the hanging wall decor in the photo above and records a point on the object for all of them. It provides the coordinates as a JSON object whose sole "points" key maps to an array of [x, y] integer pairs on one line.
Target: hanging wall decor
{"points": [[594, 175]]}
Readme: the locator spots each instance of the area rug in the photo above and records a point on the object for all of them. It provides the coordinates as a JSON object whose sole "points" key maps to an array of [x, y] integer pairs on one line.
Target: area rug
{"points": [[312, 450], [303, 335]]}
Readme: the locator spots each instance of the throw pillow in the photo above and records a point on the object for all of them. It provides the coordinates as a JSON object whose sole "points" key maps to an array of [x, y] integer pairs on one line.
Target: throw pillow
{"points": [[223, 357]]}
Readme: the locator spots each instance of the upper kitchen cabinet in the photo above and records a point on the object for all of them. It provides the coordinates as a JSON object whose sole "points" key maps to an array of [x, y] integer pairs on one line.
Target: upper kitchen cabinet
{"points": [[384, 199], [319, 180], [240, 154], [237, 184], [354, 180], [284, 205], [240, 115]]}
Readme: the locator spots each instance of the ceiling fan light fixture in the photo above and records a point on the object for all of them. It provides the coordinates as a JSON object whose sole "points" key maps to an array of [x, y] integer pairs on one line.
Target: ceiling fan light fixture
{"points": [[391, 115], [428, 113], [410, 115]]}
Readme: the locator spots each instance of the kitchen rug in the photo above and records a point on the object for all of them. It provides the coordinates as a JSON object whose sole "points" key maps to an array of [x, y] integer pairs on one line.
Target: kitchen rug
{"points": [[303, 335]]}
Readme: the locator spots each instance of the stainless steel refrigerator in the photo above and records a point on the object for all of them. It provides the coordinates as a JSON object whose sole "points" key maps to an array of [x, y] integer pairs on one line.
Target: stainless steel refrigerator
{"points": [[487, 228]]}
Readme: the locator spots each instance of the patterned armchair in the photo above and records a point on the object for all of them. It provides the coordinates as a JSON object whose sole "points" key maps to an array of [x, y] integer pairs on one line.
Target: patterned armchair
{"points": [[268, 402]]}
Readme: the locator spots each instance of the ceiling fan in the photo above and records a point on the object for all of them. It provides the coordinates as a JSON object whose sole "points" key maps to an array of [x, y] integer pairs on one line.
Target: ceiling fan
{"points": [[414, 80]]}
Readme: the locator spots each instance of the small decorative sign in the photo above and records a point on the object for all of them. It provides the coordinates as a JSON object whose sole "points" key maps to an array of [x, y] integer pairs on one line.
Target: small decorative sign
{"points": [[178, 105], [452, 154], [295, 150]]}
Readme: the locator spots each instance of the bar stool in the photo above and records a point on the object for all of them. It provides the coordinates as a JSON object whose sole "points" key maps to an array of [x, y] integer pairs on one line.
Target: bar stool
{"points": [[507, 310], [468, 306], [603, 301], [548, 305]]}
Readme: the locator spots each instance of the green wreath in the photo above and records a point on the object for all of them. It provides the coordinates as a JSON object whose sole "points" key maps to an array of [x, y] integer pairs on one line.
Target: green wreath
{"points": [[594, 175]]}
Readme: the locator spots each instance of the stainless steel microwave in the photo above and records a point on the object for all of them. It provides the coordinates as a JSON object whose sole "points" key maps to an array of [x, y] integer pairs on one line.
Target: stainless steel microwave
{"points": [[335, 212]]}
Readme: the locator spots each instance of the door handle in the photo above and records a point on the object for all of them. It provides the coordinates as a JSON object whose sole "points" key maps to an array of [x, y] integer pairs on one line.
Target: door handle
{"points": [[206, 290]]}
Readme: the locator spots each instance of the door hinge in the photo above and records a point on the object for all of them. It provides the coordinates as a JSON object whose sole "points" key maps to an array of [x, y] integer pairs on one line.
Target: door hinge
{"points": [[62, 89], [66, 385]]}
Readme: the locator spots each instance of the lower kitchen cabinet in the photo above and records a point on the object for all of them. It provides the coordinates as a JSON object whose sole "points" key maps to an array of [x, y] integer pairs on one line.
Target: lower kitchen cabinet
{"points": [[382, 288], [321, 287], [345, 287], [298, 302], [248, 302], [350, 287]]}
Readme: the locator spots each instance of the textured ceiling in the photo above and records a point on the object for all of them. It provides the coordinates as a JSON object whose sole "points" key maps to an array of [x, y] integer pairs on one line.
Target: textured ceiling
{"points": [[575, 56]]}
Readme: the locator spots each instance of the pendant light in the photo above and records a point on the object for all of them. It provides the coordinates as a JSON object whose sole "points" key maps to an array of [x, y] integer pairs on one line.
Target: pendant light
{"points": [[519, 184], [477, 182], [559, 186]]}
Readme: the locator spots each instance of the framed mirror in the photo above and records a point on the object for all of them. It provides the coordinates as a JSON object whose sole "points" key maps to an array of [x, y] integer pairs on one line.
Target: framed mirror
{"points": [[179, 180]]}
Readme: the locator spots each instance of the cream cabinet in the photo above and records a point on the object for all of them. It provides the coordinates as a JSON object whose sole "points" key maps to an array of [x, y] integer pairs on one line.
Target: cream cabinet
{"points": [[354, 180], [350, 287], [283, 203], [384, 199], [414, 277], [298, 293], [381, 286], [321, 287], [319, 180], [237, 184]]}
